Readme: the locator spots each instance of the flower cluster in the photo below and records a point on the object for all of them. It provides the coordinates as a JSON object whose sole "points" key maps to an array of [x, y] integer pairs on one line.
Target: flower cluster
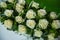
{"points": [[18, 16]]}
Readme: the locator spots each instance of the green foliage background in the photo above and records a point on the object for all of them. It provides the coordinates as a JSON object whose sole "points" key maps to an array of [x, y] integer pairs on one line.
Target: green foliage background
{"points": [[51, 5]]}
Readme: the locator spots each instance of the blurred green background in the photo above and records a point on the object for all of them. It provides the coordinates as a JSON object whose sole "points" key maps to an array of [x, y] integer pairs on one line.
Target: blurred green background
{"points": [[51, 5]]}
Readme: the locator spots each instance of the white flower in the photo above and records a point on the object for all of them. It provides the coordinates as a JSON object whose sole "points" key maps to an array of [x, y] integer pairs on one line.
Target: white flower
{"points": [[41, 13], [51, 36], [36, 5], [43, 23], [11, 1], [3, 4], [19, 19], [19, 8], [22, 2], [8, 12], [53, 15], [30, 14], [22, 29], [8, 24], [31, 24], [56, 24], [37, 33]]}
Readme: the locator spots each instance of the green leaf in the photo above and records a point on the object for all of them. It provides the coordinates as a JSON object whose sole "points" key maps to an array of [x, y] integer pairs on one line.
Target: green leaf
{"points": [[15, 26]]}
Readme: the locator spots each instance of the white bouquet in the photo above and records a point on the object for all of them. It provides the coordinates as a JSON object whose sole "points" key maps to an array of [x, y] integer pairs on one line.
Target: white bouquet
{"points": [[18, 15]]}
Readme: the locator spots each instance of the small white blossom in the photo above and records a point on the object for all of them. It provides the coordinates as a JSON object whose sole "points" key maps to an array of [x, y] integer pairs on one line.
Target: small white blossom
{"points": [[8, 13], [56, 24], [51, 36], [31, 24], [11, 1], [19, 8], [3, 4], [8, 24], [53, 15], [43, 23], [36, 5], [41, 13], [19, 19], [21, 29], [22, 2], [30, 14], [37, 33]]}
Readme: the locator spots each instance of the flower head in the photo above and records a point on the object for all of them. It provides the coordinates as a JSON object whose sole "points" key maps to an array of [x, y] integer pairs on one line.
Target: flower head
{"points": [[36, 5], [8, 24], [37, 33], [22, 29], [30, 14], [19, 19], [19, 8], [11, 1], [43, 23], [55, 24], [22, 2], [3, 4], [41, 13], [31, 24], [51, 36], [53, 15], [8, 13]]}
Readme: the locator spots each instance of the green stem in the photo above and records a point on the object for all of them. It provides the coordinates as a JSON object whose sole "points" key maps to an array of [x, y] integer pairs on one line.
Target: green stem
{"points": [[30, 3], [44, 7]]}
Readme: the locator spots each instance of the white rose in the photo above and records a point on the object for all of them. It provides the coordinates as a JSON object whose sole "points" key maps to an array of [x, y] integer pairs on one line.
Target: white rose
{"points": [[36, 5], [8, 12], [56, 24], [22, 29], [41, 13], [30, 14], [11, 1], [3, 4], [37, 33], [51, 36], [31, 24], [8, 24], [19, 8], [22, 2], [53, 15], [19, 19], [43, 23]]}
